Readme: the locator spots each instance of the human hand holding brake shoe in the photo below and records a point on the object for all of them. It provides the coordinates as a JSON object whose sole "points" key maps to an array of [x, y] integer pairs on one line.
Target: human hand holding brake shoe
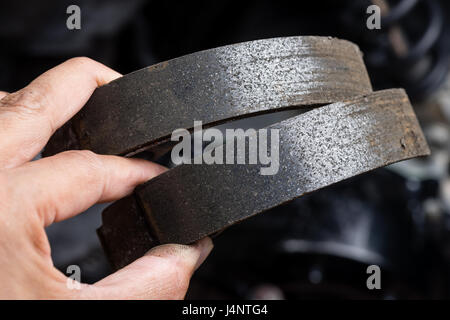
{"points": [[35, 194]]}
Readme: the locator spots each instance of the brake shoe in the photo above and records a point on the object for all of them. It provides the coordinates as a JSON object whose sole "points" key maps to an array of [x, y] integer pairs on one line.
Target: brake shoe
{"points": [[345, 130]]}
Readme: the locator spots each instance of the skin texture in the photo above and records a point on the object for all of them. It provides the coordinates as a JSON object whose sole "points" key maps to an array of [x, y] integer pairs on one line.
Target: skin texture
{"points": [[35, 194]]}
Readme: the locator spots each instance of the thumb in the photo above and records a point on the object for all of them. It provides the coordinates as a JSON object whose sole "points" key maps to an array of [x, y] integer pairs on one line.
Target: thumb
{"points": [[163, 272]]}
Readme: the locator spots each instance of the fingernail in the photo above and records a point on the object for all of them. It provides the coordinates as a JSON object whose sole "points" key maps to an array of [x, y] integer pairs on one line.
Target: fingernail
{"points": [[205, 245]]}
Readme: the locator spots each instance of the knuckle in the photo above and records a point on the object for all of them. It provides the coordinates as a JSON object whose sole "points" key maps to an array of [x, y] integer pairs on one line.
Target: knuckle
{"points": [[4, 194], [181, 286], [81, 61], [89, 159], [174, 282], [26, 101], [181, 273], [37, 235], [90, 165], [3, 95], [89, 168]]}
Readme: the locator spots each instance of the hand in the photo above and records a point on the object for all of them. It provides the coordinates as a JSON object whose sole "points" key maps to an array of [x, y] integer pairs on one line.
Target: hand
{"points": [[35, 194]]}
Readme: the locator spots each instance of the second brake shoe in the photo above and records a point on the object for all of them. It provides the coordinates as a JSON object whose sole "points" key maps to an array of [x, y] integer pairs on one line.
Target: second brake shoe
{"points": [[140, 110], [317, 148]]}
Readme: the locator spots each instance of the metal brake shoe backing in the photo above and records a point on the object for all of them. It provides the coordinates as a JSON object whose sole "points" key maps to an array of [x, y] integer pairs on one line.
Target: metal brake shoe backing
{"points": [[345, 130]]}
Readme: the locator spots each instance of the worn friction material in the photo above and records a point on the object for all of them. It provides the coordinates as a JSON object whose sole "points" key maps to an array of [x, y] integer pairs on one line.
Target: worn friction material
{"points": [[318, 148], [349, 131], [143, 108]]}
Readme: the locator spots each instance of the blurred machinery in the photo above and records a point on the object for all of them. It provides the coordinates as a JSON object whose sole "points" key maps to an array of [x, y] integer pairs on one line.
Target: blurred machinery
{"points": [[318, 246]]}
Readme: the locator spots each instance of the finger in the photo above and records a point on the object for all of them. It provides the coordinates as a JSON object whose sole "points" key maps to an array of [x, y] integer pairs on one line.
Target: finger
{"points": [[68, 183], [29, 116], [163, 273], [3, 94]]}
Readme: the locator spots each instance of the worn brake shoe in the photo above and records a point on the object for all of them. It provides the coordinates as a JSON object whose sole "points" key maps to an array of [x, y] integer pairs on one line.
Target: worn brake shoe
{"points": [[141, 110], [349, 131]]}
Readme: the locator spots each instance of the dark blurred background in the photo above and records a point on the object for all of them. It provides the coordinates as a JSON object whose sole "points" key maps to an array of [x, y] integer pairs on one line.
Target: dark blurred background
{"points": [[318, 246]]}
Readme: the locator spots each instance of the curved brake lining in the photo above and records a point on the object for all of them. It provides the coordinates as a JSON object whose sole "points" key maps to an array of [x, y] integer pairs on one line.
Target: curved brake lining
{"points": [[142, 109], [349, 131]]}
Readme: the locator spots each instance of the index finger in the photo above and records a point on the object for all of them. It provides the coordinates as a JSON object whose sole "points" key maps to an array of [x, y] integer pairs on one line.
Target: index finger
{"points": [[31, 115]]}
